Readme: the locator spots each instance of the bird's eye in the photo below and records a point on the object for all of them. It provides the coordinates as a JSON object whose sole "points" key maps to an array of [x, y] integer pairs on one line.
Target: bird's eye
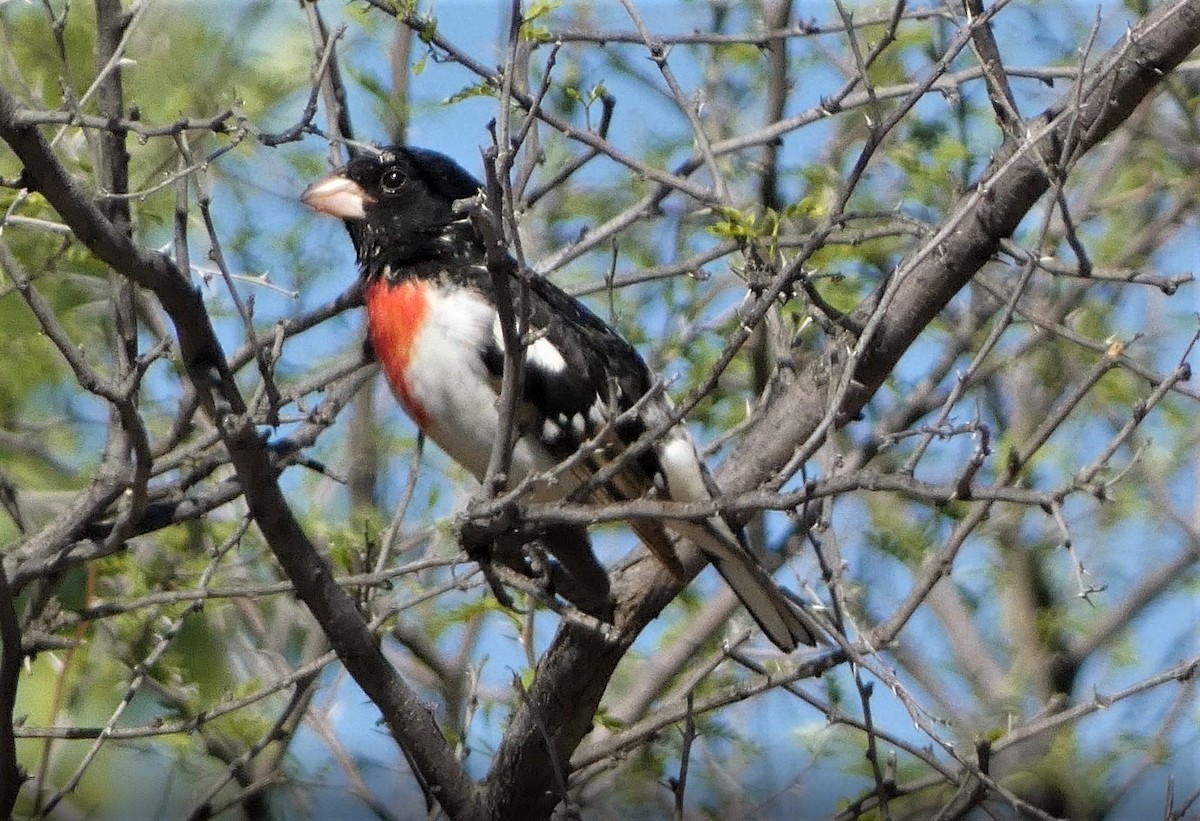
{"points": [[393, 180]]}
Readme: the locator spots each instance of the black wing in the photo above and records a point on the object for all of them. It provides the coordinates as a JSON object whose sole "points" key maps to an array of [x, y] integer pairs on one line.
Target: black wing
{"points": [[601, 376]]}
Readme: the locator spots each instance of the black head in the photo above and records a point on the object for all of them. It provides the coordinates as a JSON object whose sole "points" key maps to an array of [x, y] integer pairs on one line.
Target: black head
{"points": [[398, 205]]}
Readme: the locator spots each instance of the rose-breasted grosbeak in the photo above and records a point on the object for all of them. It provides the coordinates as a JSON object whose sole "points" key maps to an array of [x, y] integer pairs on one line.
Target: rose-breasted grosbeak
{"points": [[435, 328]]}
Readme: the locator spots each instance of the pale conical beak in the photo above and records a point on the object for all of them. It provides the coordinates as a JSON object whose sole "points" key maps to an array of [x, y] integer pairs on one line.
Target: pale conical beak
{"points": [[338, 196]]}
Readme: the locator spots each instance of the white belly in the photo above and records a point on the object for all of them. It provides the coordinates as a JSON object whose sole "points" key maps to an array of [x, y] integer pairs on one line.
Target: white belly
{"points": [[448, 379]]}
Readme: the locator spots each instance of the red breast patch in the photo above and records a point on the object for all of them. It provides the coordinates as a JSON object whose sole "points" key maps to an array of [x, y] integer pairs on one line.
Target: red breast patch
{"points": [[395, 315]]}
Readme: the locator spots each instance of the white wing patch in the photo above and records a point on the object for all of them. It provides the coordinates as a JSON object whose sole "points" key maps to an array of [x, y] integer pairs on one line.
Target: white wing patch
{"points": [[540, 353]]}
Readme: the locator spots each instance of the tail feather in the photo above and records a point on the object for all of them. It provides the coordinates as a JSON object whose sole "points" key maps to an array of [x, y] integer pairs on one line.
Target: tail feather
{"points": [[783, 622]]}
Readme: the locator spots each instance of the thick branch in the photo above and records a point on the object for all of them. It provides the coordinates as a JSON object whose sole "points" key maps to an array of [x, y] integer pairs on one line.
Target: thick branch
{"points": [[12, 657], [970, 236]]}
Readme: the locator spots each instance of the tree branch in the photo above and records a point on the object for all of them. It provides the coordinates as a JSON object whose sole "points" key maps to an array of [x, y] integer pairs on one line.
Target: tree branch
{"points": [[207, 369]]}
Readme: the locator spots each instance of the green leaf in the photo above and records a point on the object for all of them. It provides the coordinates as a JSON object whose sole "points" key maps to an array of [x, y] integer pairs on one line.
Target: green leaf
{"points": [[480, 89], [533, 32]]}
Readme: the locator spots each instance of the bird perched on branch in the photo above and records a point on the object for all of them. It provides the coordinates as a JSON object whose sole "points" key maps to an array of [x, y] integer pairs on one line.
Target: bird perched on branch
{"points": [[435, 326]]}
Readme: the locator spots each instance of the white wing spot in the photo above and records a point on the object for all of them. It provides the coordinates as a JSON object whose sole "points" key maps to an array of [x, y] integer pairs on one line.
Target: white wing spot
{"points": [[544, 355], [598, 413], [540, 353]]}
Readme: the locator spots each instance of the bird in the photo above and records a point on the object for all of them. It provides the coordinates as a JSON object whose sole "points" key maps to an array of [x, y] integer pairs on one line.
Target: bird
{"points": [[434, 325]]}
